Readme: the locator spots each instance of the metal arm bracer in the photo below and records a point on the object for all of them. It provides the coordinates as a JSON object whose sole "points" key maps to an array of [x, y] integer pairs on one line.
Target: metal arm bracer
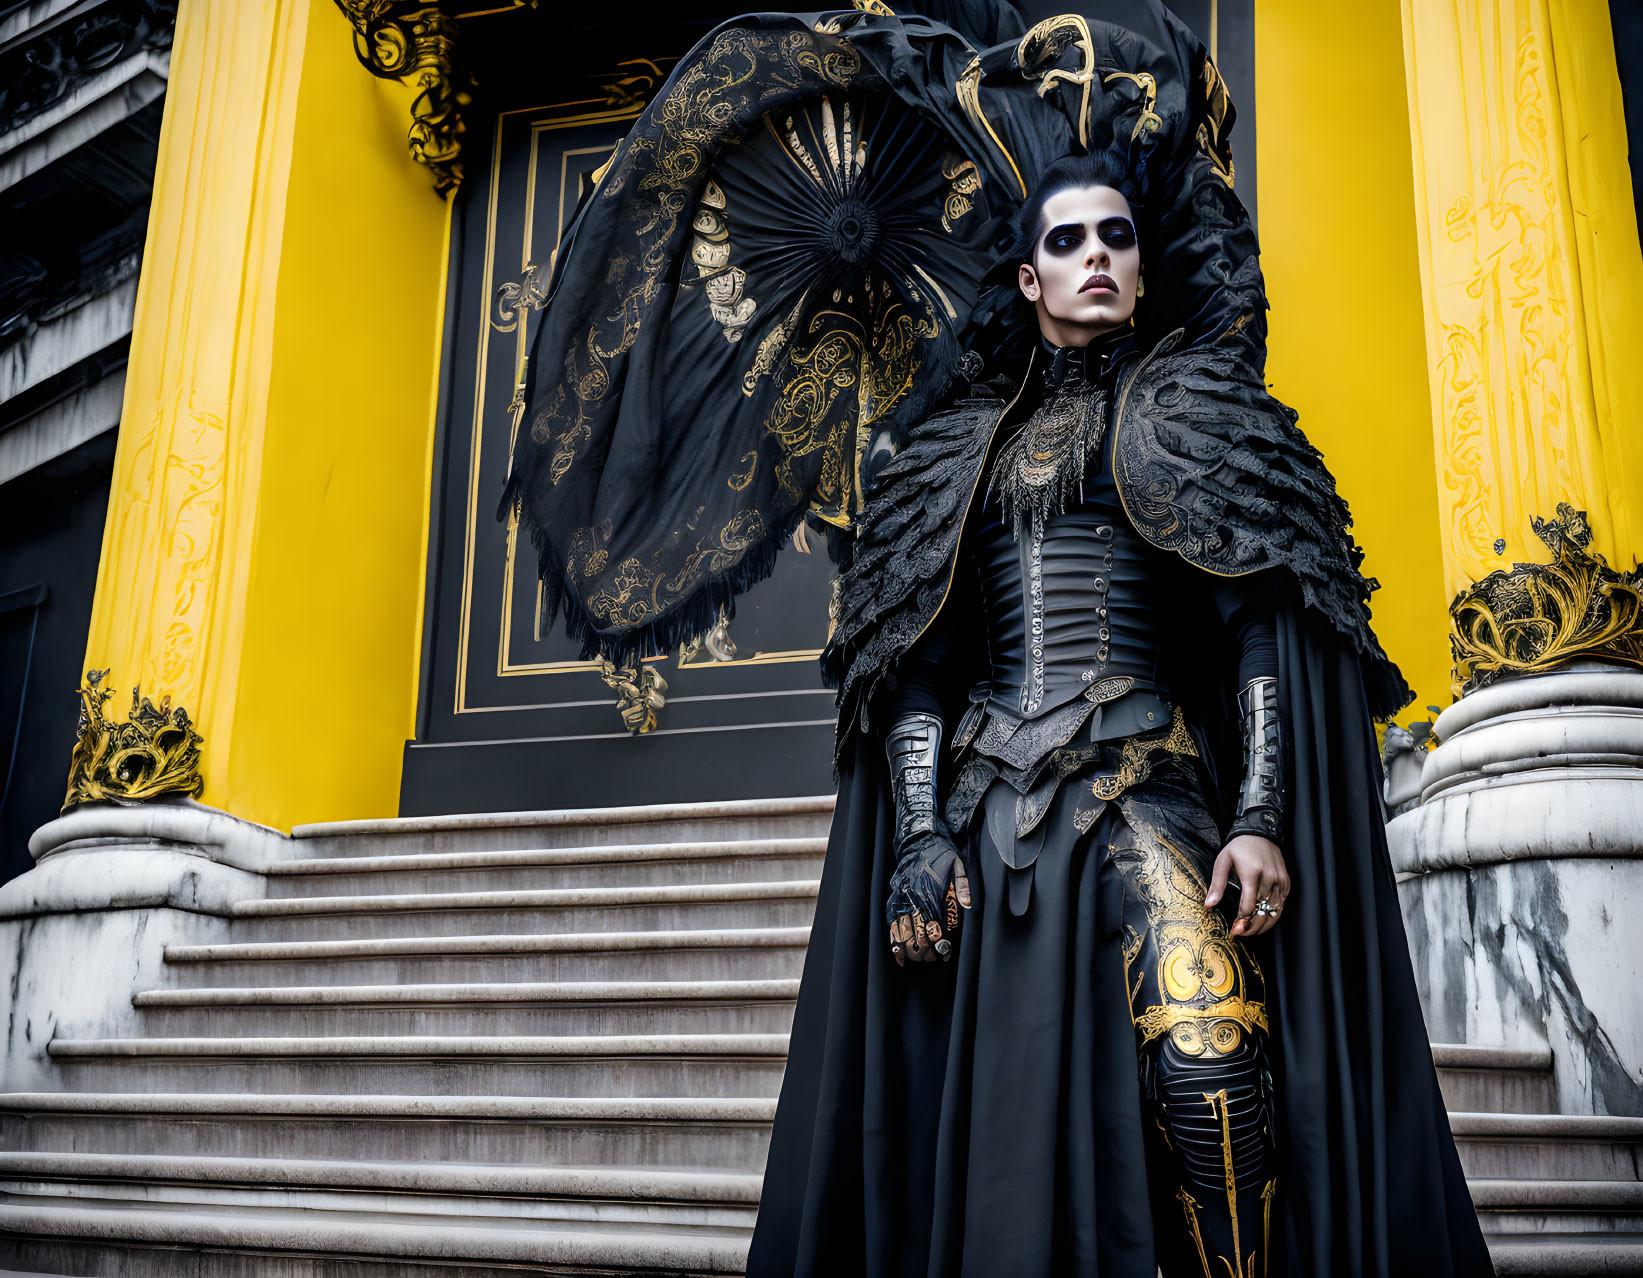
{"points": [[1261, 795]]}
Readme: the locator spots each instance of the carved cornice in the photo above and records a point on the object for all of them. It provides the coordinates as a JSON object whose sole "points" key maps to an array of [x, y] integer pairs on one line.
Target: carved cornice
{"points": [[1530, 618], [155, 752], [38, 73], [403, 39], [418, 40]]}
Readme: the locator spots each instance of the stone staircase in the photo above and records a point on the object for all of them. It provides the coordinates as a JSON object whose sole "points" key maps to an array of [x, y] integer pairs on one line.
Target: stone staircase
{"points": [[549, 1043], [1556, 1193]]}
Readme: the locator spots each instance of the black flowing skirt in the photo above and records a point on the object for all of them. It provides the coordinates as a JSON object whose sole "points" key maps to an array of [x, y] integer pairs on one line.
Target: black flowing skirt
{"points": [[991, 1120], [890, 1156]]}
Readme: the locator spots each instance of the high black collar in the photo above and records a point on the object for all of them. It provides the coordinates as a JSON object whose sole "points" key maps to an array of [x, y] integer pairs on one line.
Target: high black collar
{"points": [[1092, 364]]}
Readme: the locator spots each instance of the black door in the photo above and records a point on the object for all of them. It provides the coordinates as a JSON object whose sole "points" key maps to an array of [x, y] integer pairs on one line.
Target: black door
{"points": [[512, 718]]}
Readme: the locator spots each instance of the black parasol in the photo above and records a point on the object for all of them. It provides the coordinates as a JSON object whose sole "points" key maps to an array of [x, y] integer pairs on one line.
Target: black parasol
{"points": [[774, 274], [834, 253]]}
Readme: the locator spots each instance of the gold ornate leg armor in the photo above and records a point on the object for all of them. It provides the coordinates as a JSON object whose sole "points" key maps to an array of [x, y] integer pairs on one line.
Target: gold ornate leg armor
{"points": [[1198, 998]]}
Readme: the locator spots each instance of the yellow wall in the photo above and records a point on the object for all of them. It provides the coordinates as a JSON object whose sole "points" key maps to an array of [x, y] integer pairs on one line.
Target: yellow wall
{"points": [[1603, 221], [332, 628], [264, 554], [1347, 345]]}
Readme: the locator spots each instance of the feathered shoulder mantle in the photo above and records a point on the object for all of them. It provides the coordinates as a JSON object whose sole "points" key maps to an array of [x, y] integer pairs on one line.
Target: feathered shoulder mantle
{"points": [[1208, 466]]}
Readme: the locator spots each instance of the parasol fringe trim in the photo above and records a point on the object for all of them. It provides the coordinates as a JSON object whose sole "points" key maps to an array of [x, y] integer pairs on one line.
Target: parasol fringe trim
{"points": [[697, 613]]}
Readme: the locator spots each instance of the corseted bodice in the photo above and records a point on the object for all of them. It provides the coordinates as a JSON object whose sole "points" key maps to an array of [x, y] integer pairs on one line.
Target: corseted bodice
{"points": [[1069, 608]]}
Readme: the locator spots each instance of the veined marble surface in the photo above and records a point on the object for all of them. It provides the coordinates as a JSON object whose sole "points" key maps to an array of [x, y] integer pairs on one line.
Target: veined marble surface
{"points": [[1521, 878], [1534, 952], [73, 974], [86, 928]]}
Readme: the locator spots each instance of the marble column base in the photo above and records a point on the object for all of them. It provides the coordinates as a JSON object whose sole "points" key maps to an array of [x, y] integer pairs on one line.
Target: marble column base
{"points": [[88, 925], [1521, 878]]}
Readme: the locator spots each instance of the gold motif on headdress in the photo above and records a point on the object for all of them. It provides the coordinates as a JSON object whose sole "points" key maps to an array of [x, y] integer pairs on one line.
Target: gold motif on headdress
{"points": [[1044, 45]]}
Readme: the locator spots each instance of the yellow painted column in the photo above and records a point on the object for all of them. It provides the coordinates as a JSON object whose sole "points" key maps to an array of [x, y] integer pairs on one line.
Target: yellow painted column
{"points": [[1346, 344], [264, 553], [1531, 273]]}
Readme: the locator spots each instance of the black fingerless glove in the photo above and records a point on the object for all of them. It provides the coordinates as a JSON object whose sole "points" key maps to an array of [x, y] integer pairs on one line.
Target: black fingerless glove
{"points": [[924, 849], [922, 879]]}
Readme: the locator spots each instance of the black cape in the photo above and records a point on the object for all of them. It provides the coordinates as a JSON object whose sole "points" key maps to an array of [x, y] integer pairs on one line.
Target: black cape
{"points": [[1214, 470], [1371, 1186], [719, 360]]}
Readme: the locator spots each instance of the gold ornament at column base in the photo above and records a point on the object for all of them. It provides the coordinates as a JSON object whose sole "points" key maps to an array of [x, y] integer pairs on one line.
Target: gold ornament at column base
{"points": [[156, 752], [1530, 618]]}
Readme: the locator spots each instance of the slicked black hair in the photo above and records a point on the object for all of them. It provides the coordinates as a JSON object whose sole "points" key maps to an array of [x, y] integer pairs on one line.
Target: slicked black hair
{"points": [[1097, 168]]}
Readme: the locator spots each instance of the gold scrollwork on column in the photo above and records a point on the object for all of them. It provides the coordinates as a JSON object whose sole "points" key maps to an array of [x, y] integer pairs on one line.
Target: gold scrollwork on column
{"points": [[1524, 267], [400, 39], [1530, 618], [155, 752]]}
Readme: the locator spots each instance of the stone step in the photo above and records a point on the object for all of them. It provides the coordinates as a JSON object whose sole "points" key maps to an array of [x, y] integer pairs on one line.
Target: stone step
{"points": [[1547, 1256], [1494, 1079], [682, 954], [101, 1238], [525, 1131], [648, 1197], [1510, 1206], [803, 818], [520, 1009], [1556, 1255], [621, 865], [783, 903], [530, 1131], [1549, 1146], [743, 1065]]}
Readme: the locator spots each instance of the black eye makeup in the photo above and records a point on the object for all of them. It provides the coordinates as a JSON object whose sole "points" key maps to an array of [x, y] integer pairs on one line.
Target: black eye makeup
{"points": [[1115, 232], [1064, 239]]}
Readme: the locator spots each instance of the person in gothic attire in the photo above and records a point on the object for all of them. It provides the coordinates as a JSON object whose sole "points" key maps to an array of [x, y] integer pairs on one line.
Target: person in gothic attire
{"points": [[1107, 976], [1071, 783]]}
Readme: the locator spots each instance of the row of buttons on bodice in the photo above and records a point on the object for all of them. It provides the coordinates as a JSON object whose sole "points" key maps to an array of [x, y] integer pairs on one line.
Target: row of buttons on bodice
{"points": [[1065, 607]]}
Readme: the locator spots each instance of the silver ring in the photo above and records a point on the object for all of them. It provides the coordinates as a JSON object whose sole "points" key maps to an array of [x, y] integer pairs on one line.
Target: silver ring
{"points": [[943, 945], [1264, 906]]}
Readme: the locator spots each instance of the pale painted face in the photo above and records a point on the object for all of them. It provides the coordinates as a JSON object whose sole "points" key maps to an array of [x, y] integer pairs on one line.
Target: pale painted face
{"points": [[1085, 267]]}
